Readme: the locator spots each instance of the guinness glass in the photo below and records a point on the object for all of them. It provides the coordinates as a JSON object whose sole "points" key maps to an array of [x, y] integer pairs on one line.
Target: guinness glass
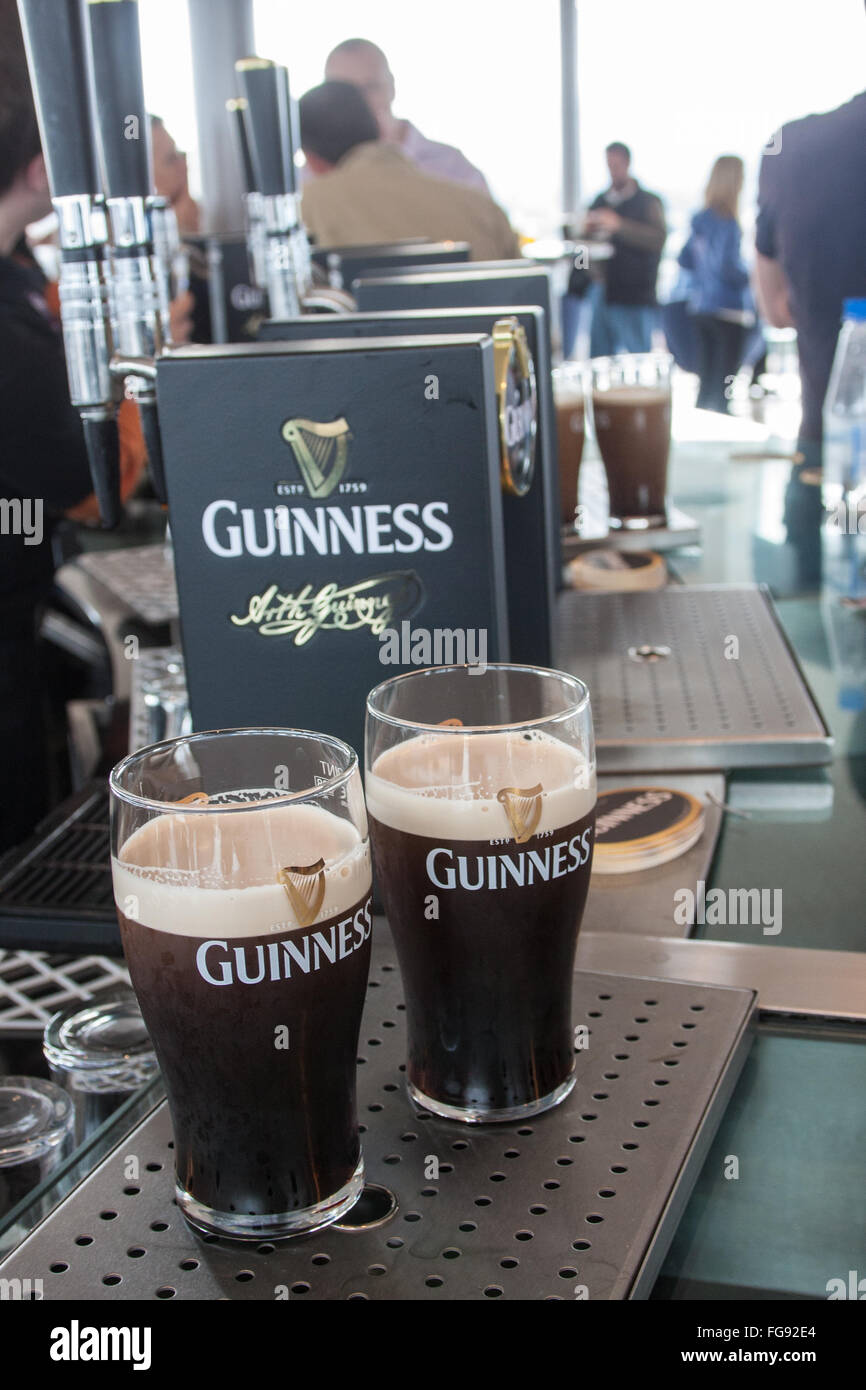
{"points": [[568, 396], [242, 882], [481, 794], [631, 416]]}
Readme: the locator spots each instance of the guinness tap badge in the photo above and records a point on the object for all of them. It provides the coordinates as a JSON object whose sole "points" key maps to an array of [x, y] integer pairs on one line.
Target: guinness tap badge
{"points": [[523, 809], [320, 450], [515, 393], [305, 889]]}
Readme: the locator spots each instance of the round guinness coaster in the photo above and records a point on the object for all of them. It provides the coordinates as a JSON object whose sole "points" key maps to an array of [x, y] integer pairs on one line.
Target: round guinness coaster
{"points": [[616, 570], [640, 827]]}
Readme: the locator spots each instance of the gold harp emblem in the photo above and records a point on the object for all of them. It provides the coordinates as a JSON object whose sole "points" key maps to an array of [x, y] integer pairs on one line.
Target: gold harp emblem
{"points": [[321, 452], [523, 809], [194, 799], [451, 723], [305, 889]]}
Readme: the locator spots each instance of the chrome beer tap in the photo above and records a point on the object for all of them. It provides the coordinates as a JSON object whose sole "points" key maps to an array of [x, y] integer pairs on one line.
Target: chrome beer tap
{"points": [[124, 141], [253, 209], [268, 113], [56, 55]]}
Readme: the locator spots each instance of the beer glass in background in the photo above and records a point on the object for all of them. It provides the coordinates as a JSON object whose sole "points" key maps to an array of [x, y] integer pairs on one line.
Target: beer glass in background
{"points": [[481, 795], [631, 416], [242, 881], [569, 387]]}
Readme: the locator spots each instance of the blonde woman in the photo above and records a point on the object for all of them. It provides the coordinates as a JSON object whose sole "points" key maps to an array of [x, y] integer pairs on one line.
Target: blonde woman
{"points": [[719, 297]]}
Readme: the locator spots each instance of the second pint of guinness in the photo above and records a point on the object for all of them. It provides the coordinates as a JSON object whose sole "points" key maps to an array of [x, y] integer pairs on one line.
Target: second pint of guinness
{"points": [[242, 881], [481, 793], [631, 416]]}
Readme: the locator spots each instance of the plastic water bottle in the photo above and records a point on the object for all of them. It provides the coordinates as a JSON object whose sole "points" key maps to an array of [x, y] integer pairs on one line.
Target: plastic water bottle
{"points": [[845, 411], [844, 587]]}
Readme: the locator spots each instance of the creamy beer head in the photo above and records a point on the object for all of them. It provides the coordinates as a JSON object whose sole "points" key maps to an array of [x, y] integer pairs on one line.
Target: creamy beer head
{"points": [[631, 396], [472, 786], [212, 873]]}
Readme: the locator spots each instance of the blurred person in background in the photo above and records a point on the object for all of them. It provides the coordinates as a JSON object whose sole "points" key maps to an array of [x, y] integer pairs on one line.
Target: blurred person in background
{"points": [[367, 191], [719, 299], [43, 463], [171, 178], [810, 238], [364, 65], [632, 220]]}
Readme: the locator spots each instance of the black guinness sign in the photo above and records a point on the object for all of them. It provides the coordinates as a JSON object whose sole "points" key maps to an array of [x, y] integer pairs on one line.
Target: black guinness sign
{"points": [[336, 513], [531, 517]]}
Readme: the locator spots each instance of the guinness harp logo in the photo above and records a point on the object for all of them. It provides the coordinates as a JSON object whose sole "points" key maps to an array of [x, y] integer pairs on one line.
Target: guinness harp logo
{"points": [[321, 452], [305, 889], [523, 809]]}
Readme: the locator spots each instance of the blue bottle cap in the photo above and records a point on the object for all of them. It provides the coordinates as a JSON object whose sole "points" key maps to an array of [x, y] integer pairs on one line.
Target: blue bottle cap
{"points": [[854, 309]]}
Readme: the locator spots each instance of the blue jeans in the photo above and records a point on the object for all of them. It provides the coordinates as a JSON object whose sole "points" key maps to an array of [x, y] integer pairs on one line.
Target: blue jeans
{"points": [[619, 327]]}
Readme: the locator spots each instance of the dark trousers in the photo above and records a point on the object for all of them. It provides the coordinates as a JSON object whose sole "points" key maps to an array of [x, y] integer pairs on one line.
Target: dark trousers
{"points": [[720, 349]]}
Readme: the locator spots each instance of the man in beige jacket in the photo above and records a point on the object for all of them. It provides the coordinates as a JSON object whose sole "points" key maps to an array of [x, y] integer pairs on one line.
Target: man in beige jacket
{"points": [[367, 190]]}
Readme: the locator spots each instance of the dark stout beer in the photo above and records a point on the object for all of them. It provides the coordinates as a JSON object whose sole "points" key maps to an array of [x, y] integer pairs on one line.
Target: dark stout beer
{"points": [[633, 429], [484, 884], [254, 1016], [570, 433]]}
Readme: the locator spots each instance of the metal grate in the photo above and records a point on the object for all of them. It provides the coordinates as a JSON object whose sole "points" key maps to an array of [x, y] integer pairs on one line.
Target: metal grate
{"points": [[666, 694], [33, 986], [151, 663], [582, 1201], [55, 891], [142, 576]]}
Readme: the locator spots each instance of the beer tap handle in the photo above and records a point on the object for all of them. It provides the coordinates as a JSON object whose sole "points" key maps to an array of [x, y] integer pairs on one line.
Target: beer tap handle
{"points": [[103, 452], [121, 115], [56, 55], [153, 443], [55, 42], [237, 108], [265, 94], [124, 140], [290, 132]]}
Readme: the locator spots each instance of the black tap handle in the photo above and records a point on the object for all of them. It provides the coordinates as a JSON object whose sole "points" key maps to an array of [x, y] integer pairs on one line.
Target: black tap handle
{"points": [[56, 55], [121, 116], [237, 109], [103, 454], [291, 132], [153, 442], [264, 90]]}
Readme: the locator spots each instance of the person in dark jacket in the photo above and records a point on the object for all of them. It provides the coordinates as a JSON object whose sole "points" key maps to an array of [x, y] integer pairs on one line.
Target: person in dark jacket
{"points": [[43, 463], [719, 298], [633, 221], [810, 242]]}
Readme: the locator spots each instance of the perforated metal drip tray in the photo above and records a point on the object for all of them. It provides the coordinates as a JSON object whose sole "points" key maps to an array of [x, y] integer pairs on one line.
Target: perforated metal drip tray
{"points": [[141, 576], [580, 1202], [690, 677], [55, 890]]}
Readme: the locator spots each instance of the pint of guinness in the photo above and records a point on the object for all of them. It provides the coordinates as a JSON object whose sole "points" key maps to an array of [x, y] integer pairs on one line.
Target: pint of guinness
{"points": [[631, 416], [481, 795], [568, 395], [242, 881]]}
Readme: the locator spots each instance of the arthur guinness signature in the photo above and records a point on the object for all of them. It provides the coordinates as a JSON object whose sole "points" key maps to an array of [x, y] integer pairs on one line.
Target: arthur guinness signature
{"points": [[373, 603]]}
